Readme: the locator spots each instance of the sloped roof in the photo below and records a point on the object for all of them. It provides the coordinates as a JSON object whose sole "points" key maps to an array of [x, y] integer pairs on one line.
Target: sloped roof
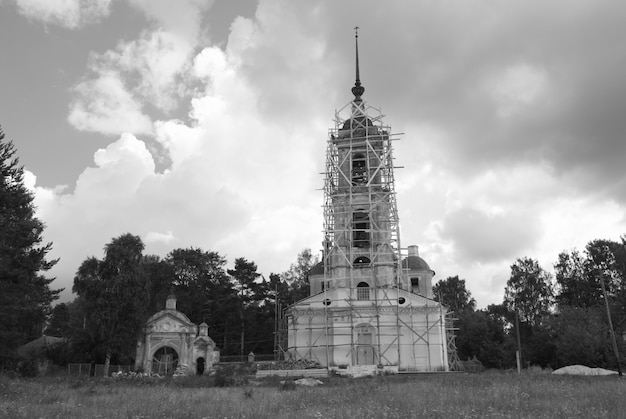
{"points": [[318, 269], [41, 342]]}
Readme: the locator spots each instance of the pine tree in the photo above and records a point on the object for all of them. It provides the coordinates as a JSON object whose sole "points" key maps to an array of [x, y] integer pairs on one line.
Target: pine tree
{"points": [[25, 294]]}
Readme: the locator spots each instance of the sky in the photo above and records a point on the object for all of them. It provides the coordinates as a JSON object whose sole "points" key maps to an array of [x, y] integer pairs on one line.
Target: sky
{"points": [[204, 124]]}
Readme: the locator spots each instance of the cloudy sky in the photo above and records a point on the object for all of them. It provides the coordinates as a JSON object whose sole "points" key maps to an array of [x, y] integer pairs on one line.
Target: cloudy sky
{"points": [[199, 123]]}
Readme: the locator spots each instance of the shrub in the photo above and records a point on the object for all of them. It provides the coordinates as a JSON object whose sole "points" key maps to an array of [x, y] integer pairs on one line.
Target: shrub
{"points": [[248, 393], [28, 368], [231, 375], [225, 376], [287, 385]]}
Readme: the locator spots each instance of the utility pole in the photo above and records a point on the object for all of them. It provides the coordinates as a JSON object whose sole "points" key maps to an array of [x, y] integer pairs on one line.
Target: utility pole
{"points": [[608, 315], [519, 343]]}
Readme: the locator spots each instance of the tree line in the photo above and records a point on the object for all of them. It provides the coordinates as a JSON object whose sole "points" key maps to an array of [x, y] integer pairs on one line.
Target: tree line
{"points": [[118, 293], [560, 319]]}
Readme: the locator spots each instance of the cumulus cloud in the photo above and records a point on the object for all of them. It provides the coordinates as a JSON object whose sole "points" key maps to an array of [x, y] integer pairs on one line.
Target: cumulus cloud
{"points": [[184, 22], [71, 14], [156, 237], [148, 71], [238, 183], [512, 148], [104, 105], [152, 67]]}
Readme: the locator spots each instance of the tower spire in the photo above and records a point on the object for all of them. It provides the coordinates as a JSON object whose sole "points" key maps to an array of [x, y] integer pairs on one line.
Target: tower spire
{"points": [[357, 90]]}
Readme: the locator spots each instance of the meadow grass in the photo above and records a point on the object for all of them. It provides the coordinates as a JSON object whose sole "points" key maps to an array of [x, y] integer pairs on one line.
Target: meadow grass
{"points": [[484, 395]]}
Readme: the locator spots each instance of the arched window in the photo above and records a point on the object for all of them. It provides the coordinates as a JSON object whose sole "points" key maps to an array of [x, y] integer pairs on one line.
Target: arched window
{"points": [[361, 229], [362, 291], [359, 169], [361, 261]]}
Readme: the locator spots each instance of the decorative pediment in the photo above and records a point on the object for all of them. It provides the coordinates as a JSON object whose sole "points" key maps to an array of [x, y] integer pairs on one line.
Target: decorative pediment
{"points": [[170, 321]]}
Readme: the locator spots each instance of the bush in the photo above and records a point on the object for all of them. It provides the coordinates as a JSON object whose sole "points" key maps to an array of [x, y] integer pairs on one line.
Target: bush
{"points": [[287, 385], [225, 376], [230, 375], [28, 368]]}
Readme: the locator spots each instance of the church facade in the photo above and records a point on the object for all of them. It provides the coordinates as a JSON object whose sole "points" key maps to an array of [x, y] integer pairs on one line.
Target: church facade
{"points": [[171, 342], [370, 302]]}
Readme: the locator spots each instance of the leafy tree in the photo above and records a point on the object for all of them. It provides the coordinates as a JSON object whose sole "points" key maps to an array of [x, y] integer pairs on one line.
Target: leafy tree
{"points": [[577, 287], [197, 276], [83, 343], [606, 260], [482, 335], [297, 277], [160, 277], [279, 291], [453, 293], [25, 294], [539, 347], [529, 291], [580, 336], [116, 292], [204, 291], [59, 322]]}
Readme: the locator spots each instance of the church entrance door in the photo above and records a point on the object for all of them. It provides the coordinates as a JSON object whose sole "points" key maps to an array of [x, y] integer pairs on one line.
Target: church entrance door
{"points": [[364, 349]]}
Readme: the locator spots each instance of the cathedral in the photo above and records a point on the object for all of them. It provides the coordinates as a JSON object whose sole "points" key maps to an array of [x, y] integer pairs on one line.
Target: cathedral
{"points": [[371, 301]]}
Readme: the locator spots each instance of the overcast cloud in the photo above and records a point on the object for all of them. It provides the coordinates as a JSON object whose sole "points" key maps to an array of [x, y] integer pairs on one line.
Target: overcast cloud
{"points": [[512, 114]]}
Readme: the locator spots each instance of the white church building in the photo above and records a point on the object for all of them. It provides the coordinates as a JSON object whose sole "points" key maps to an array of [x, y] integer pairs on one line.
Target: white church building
{"points": [[371, 301]]}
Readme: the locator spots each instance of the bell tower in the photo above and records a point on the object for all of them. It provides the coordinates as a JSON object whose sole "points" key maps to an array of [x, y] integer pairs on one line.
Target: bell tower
{"points": [[360, 216], [369, 307]]}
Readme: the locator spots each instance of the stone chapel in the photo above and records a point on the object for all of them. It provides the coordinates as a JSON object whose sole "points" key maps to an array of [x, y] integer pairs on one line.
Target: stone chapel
{"points": [[170, 341]]}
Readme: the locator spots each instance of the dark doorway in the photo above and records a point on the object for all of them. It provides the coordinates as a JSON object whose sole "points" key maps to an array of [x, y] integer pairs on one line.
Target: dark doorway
{"points": [[200, 366]]}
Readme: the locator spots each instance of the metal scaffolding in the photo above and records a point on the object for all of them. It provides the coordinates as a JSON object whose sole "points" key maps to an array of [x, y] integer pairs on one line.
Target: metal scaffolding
{"points": [[366, 312], [375, 318]]}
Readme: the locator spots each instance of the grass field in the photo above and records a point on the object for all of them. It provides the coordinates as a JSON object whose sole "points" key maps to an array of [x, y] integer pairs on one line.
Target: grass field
{"points": [[484, 395]]}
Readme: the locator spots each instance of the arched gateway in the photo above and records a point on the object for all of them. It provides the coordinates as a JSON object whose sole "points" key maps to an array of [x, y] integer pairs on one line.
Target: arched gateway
{"points": [[170, 340]]}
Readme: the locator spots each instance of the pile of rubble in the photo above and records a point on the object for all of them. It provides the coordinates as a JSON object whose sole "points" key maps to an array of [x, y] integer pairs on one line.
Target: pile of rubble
{"points": [[132, 375], [582, 370], [182, 371], [301, 364]]}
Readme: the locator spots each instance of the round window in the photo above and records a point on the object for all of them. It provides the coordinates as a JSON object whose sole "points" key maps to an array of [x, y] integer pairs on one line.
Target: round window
{"points": [[326, 302], [401, 300]]}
